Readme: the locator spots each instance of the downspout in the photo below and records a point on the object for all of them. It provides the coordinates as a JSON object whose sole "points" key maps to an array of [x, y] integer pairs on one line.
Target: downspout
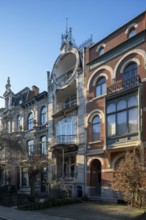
{"points": [[85, 149]]}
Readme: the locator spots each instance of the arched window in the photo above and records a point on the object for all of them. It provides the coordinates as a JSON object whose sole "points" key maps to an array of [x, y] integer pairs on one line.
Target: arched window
{"points": [[101, 86], [101, 51], [130, 71], [96, 128], [66, 129], [131, 33], [30, 121], [43, 115]]}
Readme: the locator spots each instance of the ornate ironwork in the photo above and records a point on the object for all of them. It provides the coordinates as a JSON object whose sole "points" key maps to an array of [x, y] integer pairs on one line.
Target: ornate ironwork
{"points": [[123, 85], [64, 139]]}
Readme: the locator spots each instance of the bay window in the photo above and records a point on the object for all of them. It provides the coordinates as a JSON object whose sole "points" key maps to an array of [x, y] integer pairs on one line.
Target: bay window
{"points": [[122, 116]]}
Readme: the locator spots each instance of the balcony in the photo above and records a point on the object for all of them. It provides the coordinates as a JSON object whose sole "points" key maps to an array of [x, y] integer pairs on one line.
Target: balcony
{"points": [[65, 176], [64, 140], [65, 107], [123, 86], [64, 79]]}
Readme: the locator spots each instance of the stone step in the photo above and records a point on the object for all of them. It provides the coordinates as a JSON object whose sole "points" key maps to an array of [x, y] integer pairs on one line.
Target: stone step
{"points": [[94, 198]]}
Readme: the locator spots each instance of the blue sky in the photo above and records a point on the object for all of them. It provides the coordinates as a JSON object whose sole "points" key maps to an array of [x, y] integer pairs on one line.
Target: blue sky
{"points": [[30, 33]]}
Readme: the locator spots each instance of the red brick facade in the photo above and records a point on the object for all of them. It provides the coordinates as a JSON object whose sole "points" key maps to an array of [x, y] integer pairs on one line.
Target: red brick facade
{"points": [[120, 51]]}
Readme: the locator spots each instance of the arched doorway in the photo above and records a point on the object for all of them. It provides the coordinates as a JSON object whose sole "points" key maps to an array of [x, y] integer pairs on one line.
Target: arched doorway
{"points": [[95, 177]]}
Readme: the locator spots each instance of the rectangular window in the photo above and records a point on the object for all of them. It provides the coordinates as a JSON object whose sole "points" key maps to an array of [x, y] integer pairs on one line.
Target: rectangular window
{"points": [[43, 145], [31, 147], [123, 118], [122, 122], [133, 122]]}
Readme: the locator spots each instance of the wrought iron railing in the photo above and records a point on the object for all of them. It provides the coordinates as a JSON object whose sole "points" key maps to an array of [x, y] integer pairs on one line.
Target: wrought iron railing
{"points": [[123, 85], [65, 176], [63, 79], [65, 105], [64, 139]]}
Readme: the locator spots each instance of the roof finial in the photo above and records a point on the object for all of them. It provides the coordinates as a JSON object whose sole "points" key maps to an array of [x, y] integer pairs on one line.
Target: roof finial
{"points": [[8, 85]]}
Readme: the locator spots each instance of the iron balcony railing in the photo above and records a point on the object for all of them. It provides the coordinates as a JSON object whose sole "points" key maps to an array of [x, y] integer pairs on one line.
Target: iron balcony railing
{"points": [[63, 79], [66, 105], [65, 176], [64, 139], [123, 85]]}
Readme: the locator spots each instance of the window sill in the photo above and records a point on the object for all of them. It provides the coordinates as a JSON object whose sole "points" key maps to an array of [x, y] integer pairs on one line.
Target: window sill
{"points": [[97, 97], [95, 142]]}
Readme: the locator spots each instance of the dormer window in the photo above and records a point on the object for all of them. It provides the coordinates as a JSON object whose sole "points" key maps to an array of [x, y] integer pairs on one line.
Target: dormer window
{"points": [[131, 30], [132, 33], [100, 49]]}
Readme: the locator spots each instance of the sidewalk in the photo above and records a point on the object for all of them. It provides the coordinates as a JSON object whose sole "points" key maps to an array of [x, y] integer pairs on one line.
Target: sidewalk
{"points": [[14, 214]]}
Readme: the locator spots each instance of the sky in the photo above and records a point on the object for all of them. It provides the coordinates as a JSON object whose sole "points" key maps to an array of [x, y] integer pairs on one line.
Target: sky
{"points": [[30, 33]]}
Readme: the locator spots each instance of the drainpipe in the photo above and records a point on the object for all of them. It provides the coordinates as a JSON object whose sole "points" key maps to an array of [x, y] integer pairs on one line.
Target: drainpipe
{"points": [[63, 162], [85, 149]]}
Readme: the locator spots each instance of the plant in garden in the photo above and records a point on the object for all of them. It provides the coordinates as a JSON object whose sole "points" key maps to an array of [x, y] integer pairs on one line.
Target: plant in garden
{"points": [[129, 178]]}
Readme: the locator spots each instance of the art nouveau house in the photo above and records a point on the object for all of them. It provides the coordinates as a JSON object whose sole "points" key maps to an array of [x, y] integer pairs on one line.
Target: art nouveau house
{"points": [[116, 102], [25, 112], [66, 110]]}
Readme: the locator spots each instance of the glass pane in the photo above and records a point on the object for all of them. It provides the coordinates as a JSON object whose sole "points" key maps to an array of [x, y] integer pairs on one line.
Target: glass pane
{"points": [[122, 122], [133, 120], [131, 33], [132, 101], [103, 88], [130, 71], [111, 108], [101, 81], [111, 125], [101, 51], [96, 132], [121, 105], [98, 92], [96, 119]]}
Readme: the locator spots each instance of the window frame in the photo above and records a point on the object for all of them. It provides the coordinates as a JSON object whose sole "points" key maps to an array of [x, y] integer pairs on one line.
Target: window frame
{"points": [[30, 145], [30, 121], [43, 145], [43, 115], [98, 126], [101, 86], [116, 112], [132, 71]]}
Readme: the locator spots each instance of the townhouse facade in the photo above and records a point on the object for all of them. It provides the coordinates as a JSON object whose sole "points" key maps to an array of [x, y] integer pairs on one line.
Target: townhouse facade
{"points": [[116, 88], [24, 113], [66, 110], [93, 111]]}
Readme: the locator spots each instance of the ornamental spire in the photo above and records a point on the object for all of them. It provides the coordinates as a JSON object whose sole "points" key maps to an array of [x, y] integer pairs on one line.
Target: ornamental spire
{"points": [[8, 85]]}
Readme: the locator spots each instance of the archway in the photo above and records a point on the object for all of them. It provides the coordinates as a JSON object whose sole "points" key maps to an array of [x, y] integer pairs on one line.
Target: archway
{"points": [[95, 177]]}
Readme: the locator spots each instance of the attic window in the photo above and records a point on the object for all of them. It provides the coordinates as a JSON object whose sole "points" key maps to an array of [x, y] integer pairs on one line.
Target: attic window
{"points": [[100, 49], [132, 33], [131, 30]]}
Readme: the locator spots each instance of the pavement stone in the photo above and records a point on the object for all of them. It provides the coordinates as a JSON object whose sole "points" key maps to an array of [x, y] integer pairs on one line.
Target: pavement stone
{"points": [[12, 213]]}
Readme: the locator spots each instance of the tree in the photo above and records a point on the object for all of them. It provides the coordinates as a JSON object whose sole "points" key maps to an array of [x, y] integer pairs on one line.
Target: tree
{"points": [[10, 154], [14, 146], [129, 178]]}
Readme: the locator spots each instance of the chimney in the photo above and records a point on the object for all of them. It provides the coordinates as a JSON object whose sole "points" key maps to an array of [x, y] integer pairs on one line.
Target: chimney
{"points": [[35, 90]]}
